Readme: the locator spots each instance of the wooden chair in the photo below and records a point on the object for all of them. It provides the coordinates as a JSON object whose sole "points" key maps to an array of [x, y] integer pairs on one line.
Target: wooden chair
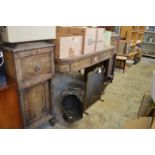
{"points": [[122, 62]]}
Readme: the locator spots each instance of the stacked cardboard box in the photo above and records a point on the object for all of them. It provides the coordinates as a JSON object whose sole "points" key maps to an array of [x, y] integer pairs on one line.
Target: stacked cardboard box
{"points": [[100, 39], [68, 46], [93, 40]]}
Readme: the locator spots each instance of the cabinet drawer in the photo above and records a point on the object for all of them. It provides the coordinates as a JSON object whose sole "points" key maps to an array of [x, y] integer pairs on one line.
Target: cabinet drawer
{"points": [[105, 55], [80, 64], [35, 65], [95, 59]]}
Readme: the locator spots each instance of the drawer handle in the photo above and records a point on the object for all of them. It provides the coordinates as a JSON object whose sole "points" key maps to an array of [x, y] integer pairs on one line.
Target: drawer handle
{"points": [[95, 59], [36, 67]]}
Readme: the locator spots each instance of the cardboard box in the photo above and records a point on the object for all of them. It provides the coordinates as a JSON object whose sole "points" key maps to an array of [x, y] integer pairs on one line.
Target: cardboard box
{"points": [[100, 39], [140, 123], [94, 39], [89, 36], [122, 47], [64, 30], [103, 39], [107, 39], [64, 35], [67, 47]]}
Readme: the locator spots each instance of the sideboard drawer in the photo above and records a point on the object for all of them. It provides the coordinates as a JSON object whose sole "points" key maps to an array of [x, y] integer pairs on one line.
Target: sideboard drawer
{"points": [[95, 59], [80, 64], [106, 55], [30, 66], [36, 65]]}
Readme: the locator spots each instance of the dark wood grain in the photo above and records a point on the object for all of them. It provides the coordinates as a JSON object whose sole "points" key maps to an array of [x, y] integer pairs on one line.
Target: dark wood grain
{"points": [[10, 114], [36, 102]]}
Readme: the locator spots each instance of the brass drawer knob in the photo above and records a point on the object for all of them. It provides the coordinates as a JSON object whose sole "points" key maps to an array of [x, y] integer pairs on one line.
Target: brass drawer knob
{"points": [[36, 67], [95, 59]]}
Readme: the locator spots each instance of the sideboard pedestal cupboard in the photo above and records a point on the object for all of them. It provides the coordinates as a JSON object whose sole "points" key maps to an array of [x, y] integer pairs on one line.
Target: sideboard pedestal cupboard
{"points": [[32, 65]]}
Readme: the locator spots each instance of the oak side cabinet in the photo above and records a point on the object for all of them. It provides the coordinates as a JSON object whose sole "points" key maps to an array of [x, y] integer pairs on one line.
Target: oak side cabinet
{"points": [[32, 64]]}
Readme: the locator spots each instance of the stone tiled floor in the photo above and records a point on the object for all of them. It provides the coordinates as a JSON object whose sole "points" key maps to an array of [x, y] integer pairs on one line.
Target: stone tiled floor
{"points": [[122, 99]]}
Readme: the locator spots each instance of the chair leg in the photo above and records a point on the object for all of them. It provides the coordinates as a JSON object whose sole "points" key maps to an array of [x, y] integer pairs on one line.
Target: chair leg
{"points": [[124, 67]]}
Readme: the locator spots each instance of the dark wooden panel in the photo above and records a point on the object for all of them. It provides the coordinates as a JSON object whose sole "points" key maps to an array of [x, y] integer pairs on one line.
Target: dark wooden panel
{"points": [[10, 114], [9, 64]]}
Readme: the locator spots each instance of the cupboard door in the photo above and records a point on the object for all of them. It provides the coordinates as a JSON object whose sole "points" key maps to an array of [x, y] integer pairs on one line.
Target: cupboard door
{"points": [[36, 102]]}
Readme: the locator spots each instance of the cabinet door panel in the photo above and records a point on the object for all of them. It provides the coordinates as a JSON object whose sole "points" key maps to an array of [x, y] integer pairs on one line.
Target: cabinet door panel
{"points": [[36, 101]]}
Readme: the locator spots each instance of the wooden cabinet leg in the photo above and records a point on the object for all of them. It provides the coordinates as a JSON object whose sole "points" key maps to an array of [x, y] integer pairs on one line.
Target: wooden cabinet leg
{"points": [[52, 122]]}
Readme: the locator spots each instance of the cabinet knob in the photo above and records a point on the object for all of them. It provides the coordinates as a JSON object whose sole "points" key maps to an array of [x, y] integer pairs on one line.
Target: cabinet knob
{"points": [[95, 59], [36, 67]]}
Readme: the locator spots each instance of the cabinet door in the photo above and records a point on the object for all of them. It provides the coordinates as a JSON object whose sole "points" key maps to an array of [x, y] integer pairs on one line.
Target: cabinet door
{"points": [[36, 102]]}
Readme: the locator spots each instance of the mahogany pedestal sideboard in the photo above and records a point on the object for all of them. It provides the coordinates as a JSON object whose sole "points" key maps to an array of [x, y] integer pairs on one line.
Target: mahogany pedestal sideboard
{"points": [[32, 65]]}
